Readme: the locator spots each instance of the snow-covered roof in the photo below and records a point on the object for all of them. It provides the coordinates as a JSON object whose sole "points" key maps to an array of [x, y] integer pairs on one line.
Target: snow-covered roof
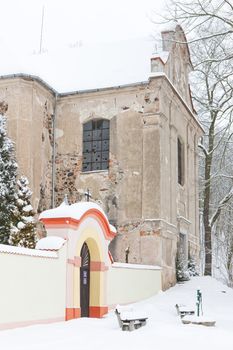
{"points": [[168, 27], [163, 55], [74, 211], [26, 251], [90, 66], [50, 243]]}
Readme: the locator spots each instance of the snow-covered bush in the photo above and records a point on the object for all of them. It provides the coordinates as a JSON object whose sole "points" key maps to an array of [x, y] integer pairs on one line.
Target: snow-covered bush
{"points": [[8, 174], [23, 229], [182, 273], [192, 267]]}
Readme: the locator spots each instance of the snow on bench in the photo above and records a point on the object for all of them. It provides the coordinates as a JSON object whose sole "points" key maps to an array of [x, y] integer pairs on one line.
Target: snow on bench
{"points": [[184, 310], [130, 320], [199, 320]]}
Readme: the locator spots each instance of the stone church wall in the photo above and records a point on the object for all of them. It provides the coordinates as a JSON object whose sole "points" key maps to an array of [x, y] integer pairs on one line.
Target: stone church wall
{"points": [[30, 109], [139, 192]]}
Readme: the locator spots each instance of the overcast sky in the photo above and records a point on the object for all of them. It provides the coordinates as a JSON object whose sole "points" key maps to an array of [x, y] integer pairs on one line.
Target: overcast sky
{"points": [[67, 22]]}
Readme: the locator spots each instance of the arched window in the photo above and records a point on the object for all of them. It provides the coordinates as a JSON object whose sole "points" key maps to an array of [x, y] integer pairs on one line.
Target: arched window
{"points": [[180, 160], [96, 145]]}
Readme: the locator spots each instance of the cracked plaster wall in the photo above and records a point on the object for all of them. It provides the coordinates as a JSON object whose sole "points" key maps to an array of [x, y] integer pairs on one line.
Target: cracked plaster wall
{"points": [[139, 192]]}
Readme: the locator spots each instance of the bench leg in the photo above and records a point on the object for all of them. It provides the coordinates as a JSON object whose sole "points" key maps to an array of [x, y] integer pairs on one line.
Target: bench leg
{"points": [[131, 326], [137, 325]]}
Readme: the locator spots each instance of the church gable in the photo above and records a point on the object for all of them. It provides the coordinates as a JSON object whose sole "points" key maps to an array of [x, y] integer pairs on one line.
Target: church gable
{"points": [[174, 60]]}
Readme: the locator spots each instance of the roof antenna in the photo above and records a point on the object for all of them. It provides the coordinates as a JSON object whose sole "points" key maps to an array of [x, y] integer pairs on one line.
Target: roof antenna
{"points": [[41, 31]]}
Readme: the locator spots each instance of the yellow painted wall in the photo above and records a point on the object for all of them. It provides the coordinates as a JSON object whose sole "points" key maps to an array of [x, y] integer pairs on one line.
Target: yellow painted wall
{"points": [[89, 233], [32, 288], [126, 285]]}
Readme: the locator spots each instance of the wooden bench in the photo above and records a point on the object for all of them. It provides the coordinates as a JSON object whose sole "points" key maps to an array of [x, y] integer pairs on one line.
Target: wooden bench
{"points": [[184, 310], [130, 323]]}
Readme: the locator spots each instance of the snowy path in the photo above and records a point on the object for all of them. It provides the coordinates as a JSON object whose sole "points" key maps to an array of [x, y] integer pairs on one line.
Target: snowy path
{"points": [[164, 329]]}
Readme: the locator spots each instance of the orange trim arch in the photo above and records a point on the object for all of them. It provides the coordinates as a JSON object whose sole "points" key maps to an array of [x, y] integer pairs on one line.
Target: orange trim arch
{"points": [[98, 235], [69, 221]]}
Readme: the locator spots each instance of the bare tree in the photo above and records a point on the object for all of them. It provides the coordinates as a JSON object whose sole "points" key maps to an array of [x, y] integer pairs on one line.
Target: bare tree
{"points": [[213, 99], [209, 28], [192, 15], [223, 246]]}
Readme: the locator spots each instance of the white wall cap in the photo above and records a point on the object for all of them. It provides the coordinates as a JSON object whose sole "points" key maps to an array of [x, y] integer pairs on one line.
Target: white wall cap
{"points": [[8, 249], [135, 266], [50, 243]]}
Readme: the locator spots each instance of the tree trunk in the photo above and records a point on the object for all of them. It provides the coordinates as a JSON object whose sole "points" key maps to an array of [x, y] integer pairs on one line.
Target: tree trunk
{"points": [[208, 251], [206, 210]]}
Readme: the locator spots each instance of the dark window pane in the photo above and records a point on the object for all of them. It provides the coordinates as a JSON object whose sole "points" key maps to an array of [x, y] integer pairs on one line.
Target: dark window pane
{"points": [[104, 165], [87, 147], [97, 135], [96, 157], [86, 157], [86, 166], [105, 134], [96, 166], [87, 135], [99, 124], [105, 145], [96, 146], [104, 157], [87, 126], [105, 124]]}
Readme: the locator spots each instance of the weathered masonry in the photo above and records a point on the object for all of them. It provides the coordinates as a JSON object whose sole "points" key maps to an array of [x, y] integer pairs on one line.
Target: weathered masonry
{"points": [[134, 147]]}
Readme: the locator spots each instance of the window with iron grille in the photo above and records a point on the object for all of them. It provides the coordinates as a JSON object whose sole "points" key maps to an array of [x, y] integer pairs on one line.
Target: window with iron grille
{"points": [[180, 156], [96, 145]]}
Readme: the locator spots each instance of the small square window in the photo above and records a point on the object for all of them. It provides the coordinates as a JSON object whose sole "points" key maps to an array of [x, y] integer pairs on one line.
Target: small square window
{"points": [[96, 166], [97, 135], [87, 147], [105, 134], [96, 146], [87, 157], [87, 136], [104, 157], [105, 145], [86, 166], [87, 126], [105, 165]]}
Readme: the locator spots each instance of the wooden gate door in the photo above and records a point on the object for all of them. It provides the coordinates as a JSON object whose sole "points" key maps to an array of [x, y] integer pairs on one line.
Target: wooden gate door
{"points": [[85, 281]]}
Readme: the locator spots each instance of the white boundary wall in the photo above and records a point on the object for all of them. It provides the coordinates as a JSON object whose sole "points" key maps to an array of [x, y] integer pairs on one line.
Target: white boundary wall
{"points": [[128, 283], [33, 286]]}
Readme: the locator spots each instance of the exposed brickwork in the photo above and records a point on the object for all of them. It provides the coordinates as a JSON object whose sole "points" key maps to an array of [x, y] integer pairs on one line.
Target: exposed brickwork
{"points": [[46, 190], [68, 167], [48, 123]]}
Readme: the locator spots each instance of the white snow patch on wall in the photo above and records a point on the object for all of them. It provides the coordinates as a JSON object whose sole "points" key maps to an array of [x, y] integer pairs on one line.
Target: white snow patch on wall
{"points": [[26, 251], [136, 266], [50, 243]]}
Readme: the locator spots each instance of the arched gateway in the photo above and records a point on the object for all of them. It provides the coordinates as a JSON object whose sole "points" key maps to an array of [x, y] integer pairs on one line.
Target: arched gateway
{"points": [[88, 233]]}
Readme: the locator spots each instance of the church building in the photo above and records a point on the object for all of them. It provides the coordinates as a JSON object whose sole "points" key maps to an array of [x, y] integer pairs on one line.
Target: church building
{"points": [[132, 146]]}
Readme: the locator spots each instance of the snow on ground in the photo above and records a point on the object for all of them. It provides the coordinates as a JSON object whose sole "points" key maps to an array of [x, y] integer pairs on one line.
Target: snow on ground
{"points": [[163, 331]]}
